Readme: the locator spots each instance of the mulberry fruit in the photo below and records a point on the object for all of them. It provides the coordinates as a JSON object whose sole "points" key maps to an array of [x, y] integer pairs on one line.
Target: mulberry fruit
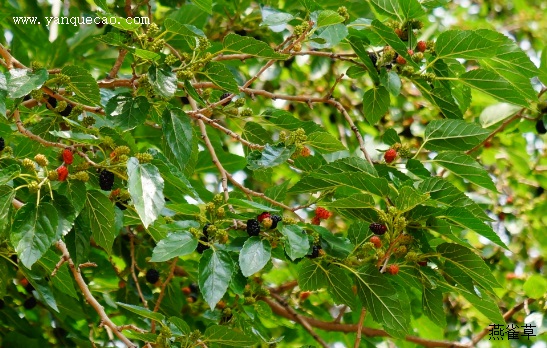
{"points": [[106, 180], [540, 127], [421, 46], [205, 232], [202, 247], [62, 173], [263, 216], [393, 269], [390, 155], [378, 228], [253, 227], [223, 96], [30, 303], [400, 60], [68, 157], [2, 144], [52, 101], [322, 213], [314, 252], [66, 111], [275, 220], [152, 276], [376, 241]]}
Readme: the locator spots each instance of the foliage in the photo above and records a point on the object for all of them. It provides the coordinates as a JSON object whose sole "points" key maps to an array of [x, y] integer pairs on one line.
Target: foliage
{"points": [[248, 151]]}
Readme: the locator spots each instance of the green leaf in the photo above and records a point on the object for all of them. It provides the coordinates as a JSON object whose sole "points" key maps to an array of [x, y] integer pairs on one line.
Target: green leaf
{"points": [[391, 81], [324, 142], [494, 85], [141, 311], [465, 167], [66, 215], [177, 131], [219, 74], [409, 198], [334, 245], [462, 217], [467, 44], [215, 273], [535, 286], [311, 276], [179, 28], [469, 263], [442, 97], [34, 230], [163, 80], [7, 194], [453, 135], [205, 5], [181, 325], [328, 17], [79, 137], [432, 302], [411, 9], [245, 204], [351, 172], [417, 168], [375, 104], [340, 287], [127, 112], [98, 214], [359, 46], [356, 201], [83, 84], [145, 185], [75, 192], [226, 336], [389, 8], [359, 232], [380, 299], [9, 173], [248, 45], [21, 82], [297, 244], [270, 156], [254, 255], [176, 244], [493, 114], [444, 192]]}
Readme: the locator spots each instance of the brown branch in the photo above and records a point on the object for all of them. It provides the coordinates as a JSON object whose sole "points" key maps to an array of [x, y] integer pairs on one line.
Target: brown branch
{"points": [[131, 327], [134, 265], [10, 61], [105, 320], [117, 65], [44, 142], [360, 328], [216, 162], [370, 332], [300, 319], [162, 291], [261, 195]]}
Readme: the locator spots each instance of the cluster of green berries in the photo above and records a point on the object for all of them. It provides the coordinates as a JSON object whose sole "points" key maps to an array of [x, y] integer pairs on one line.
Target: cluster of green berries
{"points": [[343, 11], [301, 28]]}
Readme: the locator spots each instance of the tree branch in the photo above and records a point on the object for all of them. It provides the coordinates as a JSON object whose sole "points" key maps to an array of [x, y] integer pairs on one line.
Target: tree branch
{"points": [[89, 297]]}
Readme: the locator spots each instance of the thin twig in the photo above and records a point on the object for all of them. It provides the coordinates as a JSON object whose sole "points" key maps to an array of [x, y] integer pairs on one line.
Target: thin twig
{"points": [[300, 319], [44, 142], [134, 265], [162, 291], [105, 320], [360, 328], [117, 65]]}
